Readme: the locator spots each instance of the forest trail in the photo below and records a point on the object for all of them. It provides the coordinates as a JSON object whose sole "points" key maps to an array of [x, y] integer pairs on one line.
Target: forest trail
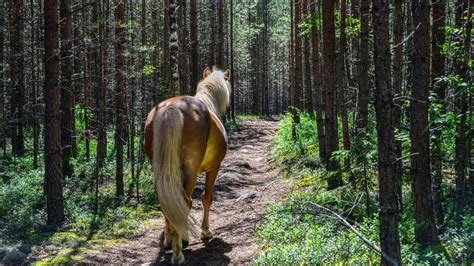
{"points": [[246, 185]]}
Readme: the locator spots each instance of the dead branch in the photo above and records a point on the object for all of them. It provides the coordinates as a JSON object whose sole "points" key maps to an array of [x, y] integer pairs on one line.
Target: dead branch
{"points": [[343, 221]]}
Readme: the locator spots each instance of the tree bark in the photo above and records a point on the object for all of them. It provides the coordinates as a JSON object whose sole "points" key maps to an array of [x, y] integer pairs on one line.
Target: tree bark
{"points": [[397, 90], [194, 47], [343, 78], [387, 178], [425, 230], [298, 69], [363, 69], [317, 77], [156, 72], [173, 48], [120, 37], [437, 71], [220, 31], [166, 52], [183, 49], [67, 94], [17, 76], [3, 116], [212, 33], [308, 99], [52, 128], [330, 119]]}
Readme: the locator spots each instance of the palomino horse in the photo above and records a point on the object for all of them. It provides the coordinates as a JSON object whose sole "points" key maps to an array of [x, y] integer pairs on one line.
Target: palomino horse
{"points": [[184, 137]]}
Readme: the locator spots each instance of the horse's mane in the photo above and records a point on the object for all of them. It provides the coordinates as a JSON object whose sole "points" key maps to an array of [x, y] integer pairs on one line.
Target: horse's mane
{"points": [[213, 92]]}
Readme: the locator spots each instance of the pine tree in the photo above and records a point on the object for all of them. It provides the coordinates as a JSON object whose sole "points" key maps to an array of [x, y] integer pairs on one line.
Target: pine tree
{"points": [[52, 129]]}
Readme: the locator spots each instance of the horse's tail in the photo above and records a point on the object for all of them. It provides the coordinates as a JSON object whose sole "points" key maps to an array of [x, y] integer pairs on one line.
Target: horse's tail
{"points": [[167, 172]]}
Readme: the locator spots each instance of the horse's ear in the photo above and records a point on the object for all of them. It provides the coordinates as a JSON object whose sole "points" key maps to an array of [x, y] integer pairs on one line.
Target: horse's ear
{"points": [[227, 74], [206, 72]]}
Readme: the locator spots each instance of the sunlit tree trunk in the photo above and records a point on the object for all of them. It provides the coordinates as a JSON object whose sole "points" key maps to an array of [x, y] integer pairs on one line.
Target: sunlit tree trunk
{"points": [[330, 119]]}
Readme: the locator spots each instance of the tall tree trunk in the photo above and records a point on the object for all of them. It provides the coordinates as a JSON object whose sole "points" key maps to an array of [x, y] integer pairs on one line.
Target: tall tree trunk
{"points": [[330, 119], [397, 90], [183, 49], [143, 61], [166, 52], [425, 230], [298, 69], [17, 76], [156, 72], [100, 101], [67, 94], [52, 128], [3, 117], [291, 55], [343, 77], [173, 48], [34, 88], [120, 37], [317, 77], [307, 65], [363, 69], [387, 178], [212, 32], [220, 32], [437, 71], [194, 47], [232, 77]]}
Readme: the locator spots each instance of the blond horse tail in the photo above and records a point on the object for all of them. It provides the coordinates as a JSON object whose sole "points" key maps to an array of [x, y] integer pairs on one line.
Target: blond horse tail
{"points": [[167, 172]]}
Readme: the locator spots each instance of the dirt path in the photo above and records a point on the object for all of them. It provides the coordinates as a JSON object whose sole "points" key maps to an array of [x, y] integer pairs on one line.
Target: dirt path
{"points": [[246, 184]]}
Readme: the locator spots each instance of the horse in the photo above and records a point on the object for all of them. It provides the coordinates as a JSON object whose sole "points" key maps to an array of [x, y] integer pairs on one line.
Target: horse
{"points": [[183, 138]]}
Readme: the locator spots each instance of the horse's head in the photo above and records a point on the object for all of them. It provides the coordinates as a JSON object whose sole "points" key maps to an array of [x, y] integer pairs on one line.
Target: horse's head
{"points": [[215, 89], [226, 74]]}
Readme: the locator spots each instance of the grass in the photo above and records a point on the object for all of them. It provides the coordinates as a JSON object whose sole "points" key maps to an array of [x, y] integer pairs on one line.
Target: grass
{"points": [[294, 232], [23, 204]]}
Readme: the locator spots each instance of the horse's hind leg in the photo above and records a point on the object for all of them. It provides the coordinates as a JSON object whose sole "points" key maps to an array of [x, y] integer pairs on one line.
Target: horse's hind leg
{"points": [[177, 246], [169, 232], [207, 201]]}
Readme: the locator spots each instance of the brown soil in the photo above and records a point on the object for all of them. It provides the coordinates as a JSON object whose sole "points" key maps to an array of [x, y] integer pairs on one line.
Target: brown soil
{"points": [[246, 185]]}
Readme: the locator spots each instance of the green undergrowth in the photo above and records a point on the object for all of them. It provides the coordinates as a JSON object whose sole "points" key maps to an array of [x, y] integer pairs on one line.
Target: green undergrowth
{"points": [[295, 231], [23, 203], [23, 207]]}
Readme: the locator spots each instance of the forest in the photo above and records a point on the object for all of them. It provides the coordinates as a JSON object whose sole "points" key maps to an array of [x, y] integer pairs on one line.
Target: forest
{"points": [[349, 130]]}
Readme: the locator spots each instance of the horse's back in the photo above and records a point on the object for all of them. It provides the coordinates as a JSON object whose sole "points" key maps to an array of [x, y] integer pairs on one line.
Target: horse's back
{"points": [[195, 119]]}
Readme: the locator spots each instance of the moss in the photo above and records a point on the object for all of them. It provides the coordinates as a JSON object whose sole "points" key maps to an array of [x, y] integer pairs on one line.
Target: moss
{"points": [[63, 256]]}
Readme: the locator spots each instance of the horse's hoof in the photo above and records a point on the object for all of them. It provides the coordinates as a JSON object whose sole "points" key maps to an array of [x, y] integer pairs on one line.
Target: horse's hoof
{"points": [[177, 259], [206, 235], [185, 243]]}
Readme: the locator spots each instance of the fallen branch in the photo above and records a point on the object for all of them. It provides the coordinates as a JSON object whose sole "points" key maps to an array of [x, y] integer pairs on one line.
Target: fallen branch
{"points": [[343, 221]]}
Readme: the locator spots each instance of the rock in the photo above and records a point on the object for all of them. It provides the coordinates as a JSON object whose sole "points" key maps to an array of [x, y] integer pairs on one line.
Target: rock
{"points": [[247, 197], [244, 150], [247, 147], [14, 256], [230, 176], [242, 163], [50, 248]]}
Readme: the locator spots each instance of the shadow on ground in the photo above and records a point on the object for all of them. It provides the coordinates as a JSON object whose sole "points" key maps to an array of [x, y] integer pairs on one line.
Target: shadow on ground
{"points": [[213, 252]]}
